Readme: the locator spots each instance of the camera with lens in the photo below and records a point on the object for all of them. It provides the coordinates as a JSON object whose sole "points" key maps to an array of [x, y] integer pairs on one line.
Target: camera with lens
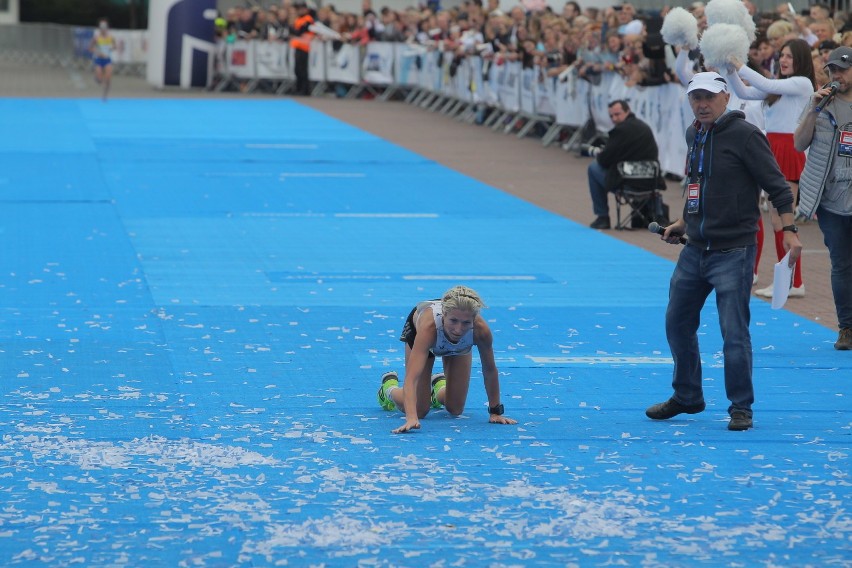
{"points": [[589, 150]]}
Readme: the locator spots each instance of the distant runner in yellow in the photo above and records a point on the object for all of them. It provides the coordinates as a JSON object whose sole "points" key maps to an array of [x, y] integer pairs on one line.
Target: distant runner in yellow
{"points": [[101, 48]]}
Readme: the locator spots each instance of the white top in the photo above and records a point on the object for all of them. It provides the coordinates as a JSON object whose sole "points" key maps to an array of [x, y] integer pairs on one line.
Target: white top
{"points": [[443, 346], [783, 116]]}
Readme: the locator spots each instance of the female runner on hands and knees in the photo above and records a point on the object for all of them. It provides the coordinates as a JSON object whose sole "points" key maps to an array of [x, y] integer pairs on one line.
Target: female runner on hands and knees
{"points": [[446, 328]]}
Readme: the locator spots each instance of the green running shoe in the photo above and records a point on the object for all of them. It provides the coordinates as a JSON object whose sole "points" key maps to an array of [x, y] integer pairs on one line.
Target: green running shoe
{"points": [[389, 379], [438, 382]]}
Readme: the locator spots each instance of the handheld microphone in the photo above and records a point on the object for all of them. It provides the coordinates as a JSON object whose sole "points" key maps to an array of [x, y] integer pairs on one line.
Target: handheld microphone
{"points": [[654, 227], [833, 86]]}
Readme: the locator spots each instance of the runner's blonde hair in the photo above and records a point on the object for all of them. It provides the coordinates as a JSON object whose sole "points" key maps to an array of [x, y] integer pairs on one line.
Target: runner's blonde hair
{"points": [[462, 298]]}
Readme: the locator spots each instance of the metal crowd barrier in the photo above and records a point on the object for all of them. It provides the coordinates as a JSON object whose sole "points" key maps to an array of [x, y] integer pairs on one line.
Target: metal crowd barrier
{"points": [[67, 46], [514, 99], [500, 95]]}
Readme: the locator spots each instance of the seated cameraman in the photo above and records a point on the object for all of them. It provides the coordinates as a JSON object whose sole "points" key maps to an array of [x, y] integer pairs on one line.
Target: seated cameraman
{"points": [[629, 140]]}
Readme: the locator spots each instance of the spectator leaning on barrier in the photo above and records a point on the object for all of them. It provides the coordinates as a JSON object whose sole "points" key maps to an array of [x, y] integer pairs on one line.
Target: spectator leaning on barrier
{"points": [[589, 57], [820, 59], [518, 22], [611, 53], [822, 30], [843, 22], [765, 57], [393, 29], [632, 58], [630, 139], [325, 14], [245, 23], [826, 183], [628, 24], [570, 11], [261, 26], [553, 56], [819, 12]]}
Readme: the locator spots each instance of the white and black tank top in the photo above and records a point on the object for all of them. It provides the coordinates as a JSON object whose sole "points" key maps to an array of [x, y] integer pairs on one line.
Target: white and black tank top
{"points": [[443, 346]]}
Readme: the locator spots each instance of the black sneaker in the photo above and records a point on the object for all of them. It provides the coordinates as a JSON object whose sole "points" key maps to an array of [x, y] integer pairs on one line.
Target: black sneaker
{"points": [[600, 223], [739, 421], [671, 408]]}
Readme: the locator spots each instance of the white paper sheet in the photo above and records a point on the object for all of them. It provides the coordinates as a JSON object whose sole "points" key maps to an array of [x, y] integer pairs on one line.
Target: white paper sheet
{"points": [[781, 282]]}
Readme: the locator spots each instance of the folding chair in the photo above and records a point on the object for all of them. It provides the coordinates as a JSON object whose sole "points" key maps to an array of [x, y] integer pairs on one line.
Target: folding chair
{"points": [[639, 192]]}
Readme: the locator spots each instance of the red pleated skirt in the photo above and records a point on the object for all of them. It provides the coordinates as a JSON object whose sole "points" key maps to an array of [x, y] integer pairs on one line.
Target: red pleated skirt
{"points": [[790, 160]]}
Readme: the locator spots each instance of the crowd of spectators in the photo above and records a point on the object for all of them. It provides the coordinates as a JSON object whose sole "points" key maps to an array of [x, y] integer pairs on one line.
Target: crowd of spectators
{"points": [[590, 41]]}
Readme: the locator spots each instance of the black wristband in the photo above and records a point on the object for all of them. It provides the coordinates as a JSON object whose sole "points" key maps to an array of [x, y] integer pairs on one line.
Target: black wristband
{"points": [[790, 228], [498, 410]]}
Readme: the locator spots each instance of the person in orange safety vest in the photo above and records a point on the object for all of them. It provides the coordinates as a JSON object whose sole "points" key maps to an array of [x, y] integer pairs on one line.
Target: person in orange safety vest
{"points": [[300, 42]]}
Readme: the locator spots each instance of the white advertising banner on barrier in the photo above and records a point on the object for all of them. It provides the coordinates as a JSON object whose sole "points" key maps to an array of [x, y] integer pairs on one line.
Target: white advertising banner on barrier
{"points": [[431, 72], [504, 86], [272, 60], [448, 86], [490, 83], [527, 96], [378, 63], [544, 90], [476, 80], [240, 58], [662, 109], [572, 101], [407, 65], [316, 61], [510, 87], [131, 46], [464, 89], [343, 65]]}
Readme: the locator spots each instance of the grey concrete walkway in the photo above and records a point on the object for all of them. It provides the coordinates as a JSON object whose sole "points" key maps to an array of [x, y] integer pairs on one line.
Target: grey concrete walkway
{"points": [[548, 177]]}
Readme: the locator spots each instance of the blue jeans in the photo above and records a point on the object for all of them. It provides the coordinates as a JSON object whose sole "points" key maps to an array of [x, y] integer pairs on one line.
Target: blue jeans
{"points": [[837, 236], [597, 188], [698, 272]]}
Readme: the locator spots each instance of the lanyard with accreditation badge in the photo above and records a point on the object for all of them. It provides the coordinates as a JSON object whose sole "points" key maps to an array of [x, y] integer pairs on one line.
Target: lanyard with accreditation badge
{"points": [[844, 147], [693, 188]]}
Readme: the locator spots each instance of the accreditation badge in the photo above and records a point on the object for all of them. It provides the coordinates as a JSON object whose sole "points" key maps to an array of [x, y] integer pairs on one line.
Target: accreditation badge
{"points": [[693, 195], [844, 150]]}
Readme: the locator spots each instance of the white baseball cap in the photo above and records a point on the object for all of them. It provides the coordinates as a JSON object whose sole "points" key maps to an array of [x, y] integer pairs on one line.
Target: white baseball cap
{"points": [[707, 81]]}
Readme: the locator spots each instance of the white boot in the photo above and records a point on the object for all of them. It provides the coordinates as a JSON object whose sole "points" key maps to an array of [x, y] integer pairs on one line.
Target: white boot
{"points": [[794, 292]]}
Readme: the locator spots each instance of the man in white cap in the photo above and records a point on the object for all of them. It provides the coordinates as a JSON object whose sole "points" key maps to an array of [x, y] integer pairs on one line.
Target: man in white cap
{"points": [[728, 163], [825, 188]]}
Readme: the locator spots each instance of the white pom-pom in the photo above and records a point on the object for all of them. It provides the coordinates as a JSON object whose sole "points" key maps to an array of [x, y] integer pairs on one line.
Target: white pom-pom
{"points": [[720, 42], [680, 28], [730, 12]]}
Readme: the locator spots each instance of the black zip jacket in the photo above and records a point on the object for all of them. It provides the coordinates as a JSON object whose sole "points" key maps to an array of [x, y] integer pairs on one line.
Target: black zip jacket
{"points": [[737, 163]]}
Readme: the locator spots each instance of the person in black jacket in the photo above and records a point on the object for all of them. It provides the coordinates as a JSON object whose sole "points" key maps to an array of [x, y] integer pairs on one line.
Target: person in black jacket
{"points": [[630, 139], [728, 163]]}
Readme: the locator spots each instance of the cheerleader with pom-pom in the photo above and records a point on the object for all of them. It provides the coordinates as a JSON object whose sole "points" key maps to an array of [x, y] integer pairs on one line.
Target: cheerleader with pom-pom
{"points": [[783, 99], [721, 41]]}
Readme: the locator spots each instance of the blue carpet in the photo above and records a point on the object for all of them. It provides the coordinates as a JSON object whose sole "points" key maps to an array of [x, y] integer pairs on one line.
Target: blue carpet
{"points": [[198, 300]]}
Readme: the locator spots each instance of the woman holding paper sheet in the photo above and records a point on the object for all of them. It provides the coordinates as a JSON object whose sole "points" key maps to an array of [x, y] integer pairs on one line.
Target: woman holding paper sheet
{"points": [[783, 101]]}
